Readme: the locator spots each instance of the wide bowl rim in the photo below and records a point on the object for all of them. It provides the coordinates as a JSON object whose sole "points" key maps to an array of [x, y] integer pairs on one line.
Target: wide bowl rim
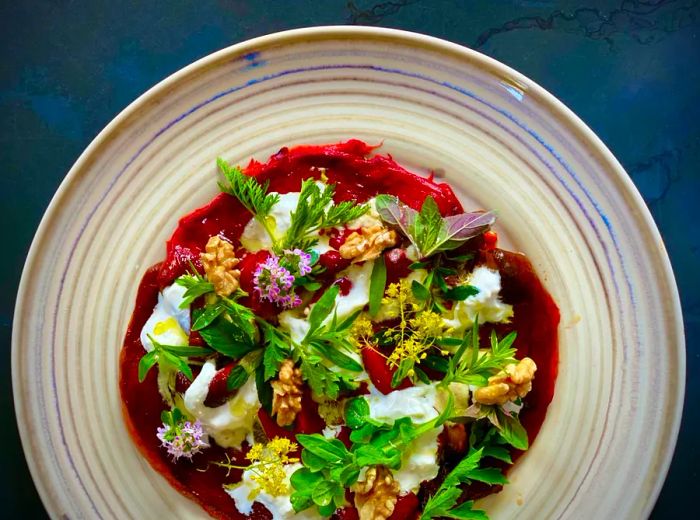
{"points": [[535, 91]]}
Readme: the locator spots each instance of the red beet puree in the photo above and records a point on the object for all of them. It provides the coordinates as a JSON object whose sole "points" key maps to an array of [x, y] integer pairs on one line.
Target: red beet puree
{"points": [[357, 177]]}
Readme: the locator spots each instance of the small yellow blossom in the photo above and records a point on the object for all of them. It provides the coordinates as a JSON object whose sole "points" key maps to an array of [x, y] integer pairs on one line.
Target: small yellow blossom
{"points": [[267, 463], [362, 330]]}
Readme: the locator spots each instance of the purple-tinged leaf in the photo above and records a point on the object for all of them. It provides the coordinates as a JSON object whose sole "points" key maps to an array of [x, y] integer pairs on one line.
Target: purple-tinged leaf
{"points": [[395, 213], [460, 228]]}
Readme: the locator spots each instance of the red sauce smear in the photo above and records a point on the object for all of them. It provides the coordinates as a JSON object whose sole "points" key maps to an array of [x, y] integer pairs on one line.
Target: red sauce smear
{"points": [[357, 177]]}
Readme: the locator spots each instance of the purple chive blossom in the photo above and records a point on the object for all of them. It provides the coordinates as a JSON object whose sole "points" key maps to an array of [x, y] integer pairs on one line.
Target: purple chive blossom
{"points": [[275, 283], [183, 439]]}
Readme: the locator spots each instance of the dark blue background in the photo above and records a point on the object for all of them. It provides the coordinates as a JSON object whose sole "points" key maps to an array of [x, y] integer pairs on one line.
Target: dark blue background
{"points": [[630, 69]]}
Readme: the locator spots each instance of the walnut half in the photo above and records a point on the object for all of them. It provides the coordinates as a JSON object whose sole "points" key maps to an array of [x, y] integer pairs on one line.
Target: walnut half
{"points": [[368, 243], [286, 398], [219, 262], [513, 382], [376, 495]]}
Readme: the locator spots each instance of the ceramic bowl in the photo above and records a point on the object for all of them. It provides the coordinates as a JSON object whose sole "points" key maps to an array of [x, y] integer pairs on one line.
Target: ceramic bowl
{"points": [[499, 139]]}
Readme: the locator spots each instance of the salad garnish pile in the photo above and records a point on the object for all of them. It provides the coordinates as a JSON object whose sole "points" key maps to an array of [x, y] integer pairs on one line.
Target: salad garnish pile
{"points": [[340, 358]]}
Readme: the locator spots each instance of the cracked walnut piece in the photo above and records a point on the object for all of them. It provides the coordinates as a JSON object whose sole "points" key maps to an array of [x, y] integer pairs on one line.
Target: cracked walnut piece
{"points": [[286, 399], [513, 382], [219, 262], [376, 495], [368, 243]]}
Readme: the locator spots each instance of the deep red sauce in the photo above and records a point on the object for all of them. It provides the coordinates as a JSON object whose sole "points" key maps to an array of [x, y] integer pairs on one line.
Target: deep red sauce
{"points": [[358, 178]]}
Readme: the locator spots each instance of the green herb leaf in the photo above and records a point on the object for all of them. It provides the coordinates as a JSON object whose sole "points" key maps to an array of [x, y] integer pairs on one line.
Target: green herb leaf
{"points": [[276, 351], [316, 211], [461, 292], [322, 494], [146, 363], [465, 512], [236, 378], [356, 412], [179, 363], [336, 356], [264, 389], [227, 338], [420, 291], [377, 284], [205, 318], [427, 229], [322, 308], [196, 286], [186, 350], [512, 431], [251, 194], [443, 502], [331, 450]]}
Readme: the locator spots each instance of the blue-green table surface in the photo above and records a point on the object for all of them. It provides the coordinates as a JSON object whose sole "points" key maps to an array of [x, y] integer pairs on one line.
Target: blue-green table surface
{"points": [[630, 69]]}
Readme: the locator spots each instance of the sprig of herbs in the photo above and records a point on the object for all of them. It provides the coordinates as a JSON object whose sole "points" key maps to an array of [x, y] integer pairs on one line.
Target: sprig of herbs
{"points": [[251, 194], [196, 285], [169, 357], [322, 348], [443, 504], [429, 231], [316, 211], [471, 366]]}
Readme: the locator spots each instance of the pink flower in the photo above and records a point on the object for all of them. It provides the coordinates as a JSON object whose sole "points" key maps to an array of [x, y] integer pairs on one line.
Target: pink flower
{"points": [[183, 439]]}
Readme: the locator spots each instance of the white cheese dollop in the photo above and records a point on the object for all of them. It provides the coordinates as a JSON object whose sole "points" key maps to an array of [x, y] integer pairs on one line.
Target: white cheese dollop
{"points": [[420, 403], [255, 238], [229, 423], [169, 324], [245, 493], [358, 296], [486, 304]]}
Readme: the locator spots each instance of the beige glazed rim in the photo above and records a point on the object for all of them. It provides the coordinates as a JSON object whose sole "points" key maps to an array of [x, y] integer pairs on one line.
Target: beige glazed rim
{"points": [[498, 138]]}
